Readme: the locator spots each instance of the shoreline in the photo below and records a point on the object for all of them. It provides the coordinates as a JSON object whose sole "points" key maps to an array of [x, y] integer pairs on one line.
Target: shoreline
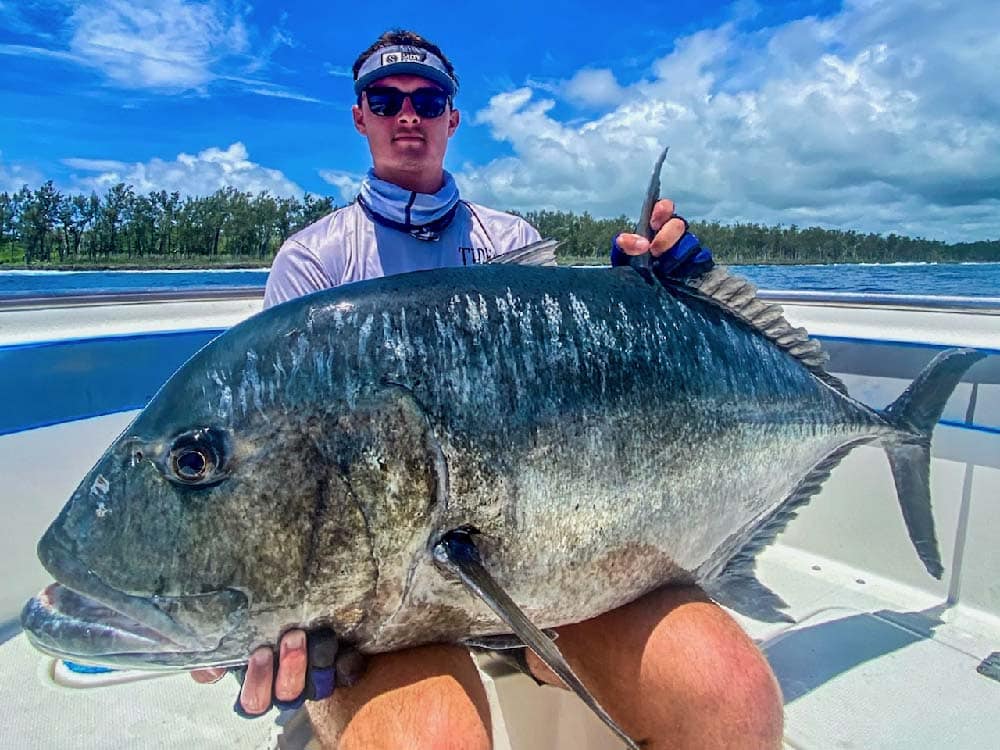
{"points": [[565, 261], [131, 267]]}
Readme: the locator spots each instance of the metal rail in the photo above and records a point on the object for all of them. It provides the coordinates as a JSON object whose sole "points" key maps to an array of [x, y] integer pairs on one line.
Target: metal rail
{"points": [[128, 298], [978, 305]]}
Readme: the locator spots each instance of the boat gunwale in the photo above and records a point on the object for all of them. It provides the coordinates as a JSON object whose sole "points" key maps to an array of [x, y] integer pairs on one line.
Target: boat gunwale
{"points": [[905, 302]]}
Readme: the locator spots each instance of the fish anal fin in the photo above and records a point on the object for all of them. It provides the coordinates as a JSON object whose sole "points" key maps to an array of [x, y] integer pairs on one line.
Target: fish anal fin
{"points": [[757, 600], [745, 594], [457, 553]]}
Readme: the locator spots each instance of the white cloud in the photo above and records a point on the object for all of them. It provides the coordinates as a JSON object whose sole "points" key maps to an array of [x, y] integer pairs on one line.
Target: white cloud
{"points": [[14, 176], [163, 44], [264, 88], [200, 174], [595, 87], [25, 50], [167, 46], [339, 71], [347, 183], [96, 165], [883, 117]]}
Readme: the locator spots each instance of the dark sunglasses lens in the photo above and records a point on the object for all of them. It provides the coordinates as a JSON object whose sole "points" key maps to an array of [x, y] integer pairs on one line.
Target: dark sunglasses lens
{"points": [[429, 102], [385, 102]]}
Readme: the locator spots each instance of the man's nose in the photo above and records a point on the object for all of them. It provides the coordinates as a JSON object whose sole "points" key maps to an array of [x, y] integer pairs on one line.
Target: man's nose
{"points": [[407, 113]]}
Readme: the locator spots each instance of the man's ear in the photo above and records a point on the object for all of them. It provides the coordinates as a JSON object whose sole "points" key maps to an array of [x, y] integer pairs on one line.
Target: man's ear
{"points": [[454, 117], [359, 120]]}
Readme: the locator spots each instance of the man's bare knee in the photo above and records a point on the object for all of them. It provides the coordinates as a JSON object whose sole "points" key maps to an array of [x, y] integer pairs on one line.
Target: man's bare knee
{"points": [[428, 697], [675, 669], [741, 690], [724, 689]]}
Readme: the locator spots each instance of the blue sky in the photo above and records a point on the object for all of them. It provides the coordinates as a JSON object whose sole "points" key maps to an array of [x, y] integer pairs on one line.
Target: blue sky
{"points": [[869, 115]]}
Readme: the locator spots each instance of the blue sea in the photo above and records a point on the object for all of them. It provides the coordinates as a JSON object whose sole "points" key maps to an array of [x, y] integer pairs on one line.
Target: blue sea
{"points": [[920, 279]]}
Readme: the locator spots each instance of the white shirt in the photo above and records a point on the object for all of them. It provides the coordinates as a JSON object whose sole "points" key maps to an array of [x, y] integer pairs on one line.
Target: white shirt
{"points": [[347, 246]]}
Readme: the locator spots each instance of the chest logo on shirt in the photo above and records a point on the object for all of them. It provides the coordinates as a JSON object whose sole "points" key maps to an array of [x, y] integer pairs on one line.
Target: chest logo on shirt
{"points": [[473, 255]]}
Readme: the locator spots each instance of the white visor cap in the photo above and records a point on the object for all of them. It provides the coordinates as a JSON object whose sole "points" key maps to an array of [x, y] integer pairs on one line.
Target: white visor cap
{"points": [[402, 59]]}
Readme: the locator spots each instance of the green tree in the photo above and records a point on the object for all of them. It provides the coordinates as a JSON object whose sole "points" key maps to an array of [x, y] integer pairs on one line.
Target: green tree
{"points": [[38, 218], [113, 212], [8, 216]]}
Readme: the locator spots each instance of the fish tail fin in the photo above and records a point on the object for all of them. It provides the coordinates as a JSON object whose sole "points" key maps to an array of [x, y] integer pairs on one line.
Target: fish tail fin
{"points": [[915, 414]]}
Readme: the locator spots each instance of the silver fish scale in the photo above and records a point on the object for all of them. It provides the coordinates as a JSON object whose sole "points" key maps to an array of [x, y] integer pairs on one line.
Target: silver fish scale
{"points": [[604, 435], [578, 410]]}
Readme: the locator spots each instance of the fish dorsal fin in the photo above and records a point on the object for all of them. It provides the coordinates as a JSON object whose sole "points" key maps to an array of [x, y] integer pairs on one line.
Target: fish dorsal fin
{"points": [[739, 297], [541, 253]]}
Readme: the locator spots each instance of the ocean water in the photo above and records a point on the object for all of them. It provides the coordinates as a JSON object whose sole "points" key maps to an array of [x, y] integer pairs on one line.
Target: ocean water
{"points": [[921, 279], [63, 283]]}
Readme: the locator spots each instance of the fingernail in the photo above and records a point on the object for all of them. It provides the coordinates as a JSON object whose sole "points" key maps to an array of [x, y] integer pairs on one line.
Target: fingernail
{"points": [[294, 641], [260, 658]]}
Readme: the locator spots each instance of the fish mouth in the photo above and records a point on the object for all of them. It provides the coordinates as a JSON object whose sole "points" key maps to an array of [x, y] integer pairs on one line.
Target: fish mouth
{"points": [[82, 618]]}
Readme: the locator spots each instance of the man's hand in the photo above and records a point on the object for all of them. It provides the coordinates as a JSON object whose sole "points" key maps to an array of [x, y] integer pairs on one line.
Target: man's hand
{"points": [[675, 252], [305, 671], [668, 227]]}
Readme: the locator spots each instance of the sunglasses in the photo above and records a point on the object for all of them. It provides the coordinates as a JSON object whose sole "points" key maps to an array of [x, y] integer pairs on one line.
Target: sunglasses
{"points": [[386, 101]]}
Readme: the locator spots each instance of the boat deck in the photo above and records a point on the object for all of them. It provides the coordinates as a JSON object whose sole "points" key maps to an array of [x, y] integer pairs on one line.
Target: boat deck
{"points": [[880, 655]]}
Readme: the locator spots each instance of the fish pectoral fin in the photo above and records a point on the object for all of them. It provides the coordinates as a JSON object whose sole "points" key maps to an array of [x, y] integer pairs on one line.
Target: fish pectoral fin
{"points": [[506, 642], [457, 553]]}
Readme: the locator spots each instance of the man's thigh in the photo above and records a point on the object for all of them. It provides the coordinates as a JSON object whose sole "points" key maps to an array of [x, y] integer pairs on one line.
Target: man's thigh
{"points": [[672, 668], [426, 697]]}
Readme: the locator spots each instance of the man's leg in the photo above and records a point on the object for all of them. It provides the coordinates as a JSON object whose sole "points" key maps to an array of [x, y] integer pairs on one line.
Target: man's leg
{"points": [[671, 668], [426, 697], [675, 669]]}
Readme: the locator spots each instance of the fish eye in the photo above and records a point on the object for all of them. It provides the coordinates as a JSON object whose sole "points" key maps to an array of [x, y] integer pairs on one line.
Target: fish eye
{"points": [[197, 458], [191, 464]]}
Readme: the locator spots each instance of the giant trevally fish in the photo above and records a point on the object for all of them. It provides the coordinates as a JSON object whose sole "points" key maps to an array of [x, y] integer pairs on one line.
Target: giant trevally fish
{"points": [[457, 454]]}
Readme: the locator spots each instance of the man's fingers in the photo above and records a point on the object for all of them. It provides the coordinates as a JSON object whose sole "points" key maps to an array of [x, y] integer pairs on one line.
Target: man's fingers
{"points": [[255, 697], [632, 244], [292, 663], [668, 230], [663, 211], [208, 676], [667, 236]]}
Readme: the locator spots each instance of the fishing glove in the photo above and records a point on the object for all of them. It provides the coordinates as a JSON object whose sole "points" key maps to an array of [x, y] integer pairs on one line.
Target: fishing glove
{"points": [[685, 259], [321, 673]]}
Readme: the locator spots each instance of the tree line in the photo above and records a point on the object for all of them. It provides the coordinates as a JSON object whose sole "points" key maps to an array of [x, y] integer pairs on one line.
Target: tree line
{"points": [[586, 237], [44, 227]]}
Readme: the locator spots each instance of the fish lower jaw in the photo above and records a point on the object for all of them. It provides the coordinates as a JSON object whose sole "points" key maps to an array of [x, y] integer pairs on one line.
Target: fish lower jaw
{"points": [[81, 596], [117, 642], [64, 623]]}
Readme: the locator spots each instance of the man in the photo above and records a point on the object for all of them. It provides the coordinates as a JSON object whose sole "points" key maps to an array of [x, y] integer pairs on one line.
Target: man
{"points": [[672, 668]]}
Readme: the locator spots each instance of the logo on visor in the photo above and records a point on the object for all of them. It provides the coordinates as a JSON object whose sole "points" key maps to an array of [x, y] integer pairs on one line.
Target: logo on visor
{"points": [[388, 58]]}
